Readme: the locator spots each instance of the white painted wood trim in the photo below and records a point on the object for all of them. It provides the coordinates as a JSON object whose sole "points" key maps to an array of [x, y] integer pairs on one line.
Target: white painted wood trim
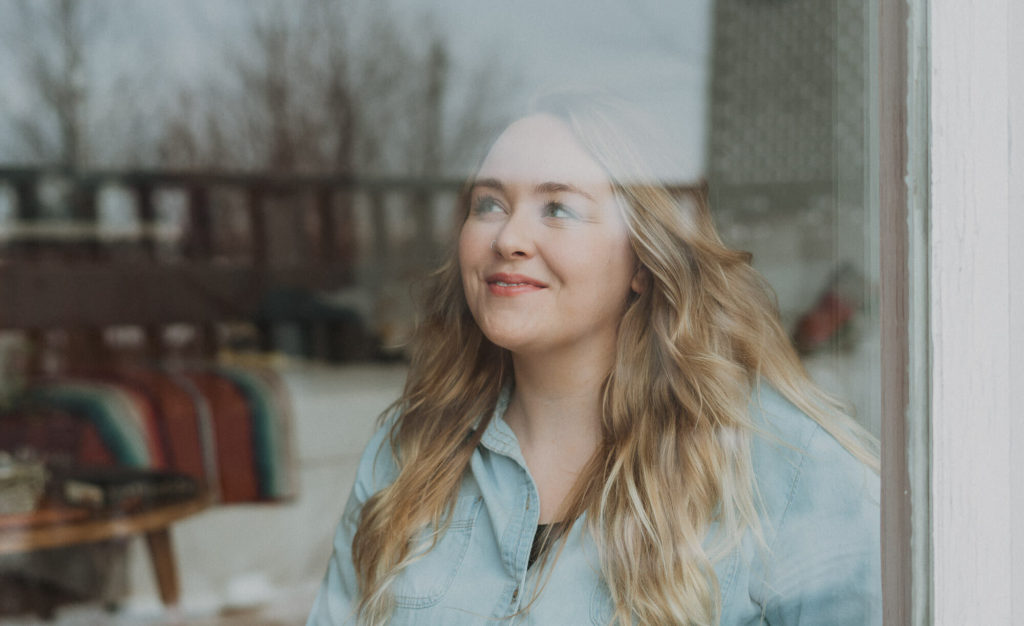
{"points": [[970, 317], [918, 411], [1015, 28]]}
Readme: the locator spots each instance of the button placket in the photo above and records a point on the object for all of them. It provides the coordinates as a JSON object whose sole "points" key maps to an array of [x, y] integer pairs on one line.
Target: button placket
{"points": [[528, 531]]}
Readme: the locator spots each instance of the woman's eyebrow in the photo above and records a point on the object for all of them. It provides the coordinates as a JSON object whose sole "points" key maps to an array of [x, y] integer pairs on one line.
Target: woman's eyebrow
{"points": [[548, 187], [489, 183], [552, 187]]}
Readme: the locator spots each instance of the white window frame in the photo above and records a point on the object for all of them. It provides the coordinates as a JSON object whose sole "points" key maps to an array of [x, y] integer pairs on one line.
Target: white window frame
{"points": [[951, 178]]}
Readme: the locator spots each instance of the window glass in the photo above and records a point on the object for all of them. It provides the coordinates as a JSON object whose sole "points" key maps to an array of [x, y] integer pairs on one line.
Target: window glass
{"points": [[214, 214], [789, 166]]}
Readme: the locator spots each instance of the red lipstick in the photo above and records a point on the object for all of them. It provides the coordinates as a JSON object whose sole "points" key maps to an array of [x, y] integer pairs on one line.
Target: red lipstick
{"points": [[502, 284]]}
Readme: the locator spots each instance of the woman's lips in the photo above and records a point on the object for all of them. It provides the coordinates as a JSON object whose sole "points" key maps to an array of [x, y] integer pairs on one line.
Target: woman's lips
{"points": [[502, 284]]}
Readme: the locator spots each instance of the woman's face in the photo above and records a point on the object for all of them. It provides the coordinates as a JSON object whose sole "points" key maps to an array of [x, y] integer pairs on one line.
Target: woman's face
{"points": [[544, 252]]}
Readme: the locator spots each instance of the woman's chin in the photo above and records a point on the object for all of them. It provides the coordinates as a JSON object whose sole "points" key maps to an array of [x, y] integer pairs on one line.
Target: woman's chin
{"points": [[512, 341]]}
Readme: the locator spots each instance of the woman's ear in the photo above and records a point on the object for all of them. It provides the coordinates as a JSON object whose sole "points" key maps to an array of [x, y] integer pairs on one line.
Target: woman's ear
{"points": [[641, 279]]}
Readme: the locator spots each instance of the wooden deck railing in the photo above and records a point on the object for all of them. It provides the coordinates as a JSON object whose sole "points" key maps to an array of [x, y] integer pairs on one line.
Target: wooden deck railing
{"points": [[87, 250]]}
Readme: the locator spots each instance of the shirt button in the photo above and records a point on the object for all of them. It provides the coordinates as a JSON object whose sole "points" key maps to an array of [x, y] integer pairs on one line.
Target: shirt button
{"points": [[515, 594]]}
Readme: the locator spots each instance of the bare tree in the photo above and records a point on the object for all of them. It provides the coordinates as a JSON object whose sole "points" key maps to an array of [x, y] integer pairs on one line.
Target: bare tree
{"points": [[51, 40], [265, 106], [73, 107], [332, 87]]}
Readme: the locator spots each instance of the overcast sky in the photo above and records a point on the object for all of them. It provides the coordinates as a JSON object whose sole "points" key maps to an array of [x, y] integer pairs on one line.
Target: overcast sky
{"points": [[655, 50]]}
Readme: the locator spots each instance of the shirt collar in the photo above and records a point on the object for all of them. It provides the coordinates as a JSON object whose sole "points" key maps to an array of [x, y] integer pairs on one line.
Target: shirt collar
{"points": [[498, 436]]}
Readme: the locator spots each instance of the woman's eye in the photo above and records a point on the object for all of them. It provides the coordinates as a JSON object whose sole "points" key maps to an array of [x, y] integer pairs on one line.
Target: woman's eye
{"points": [[486, 204], [557, 209]]}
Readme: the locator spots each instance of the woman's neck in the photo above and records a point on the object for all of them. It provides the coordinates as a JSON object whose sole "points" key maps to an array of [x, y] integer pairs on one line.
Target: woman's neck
{"points": [[555, 412]]}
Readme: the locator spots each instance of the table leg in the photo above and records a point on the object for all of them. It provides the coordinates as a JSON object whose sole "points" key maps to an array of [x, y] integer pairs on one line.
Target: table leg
{"points": [[164, 566]]}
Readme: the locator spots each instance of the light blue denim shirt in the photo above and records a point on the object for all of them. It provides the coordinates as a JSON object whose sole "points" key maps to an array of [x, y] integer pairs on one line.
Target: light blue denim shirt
{"points": [[820, 518]]}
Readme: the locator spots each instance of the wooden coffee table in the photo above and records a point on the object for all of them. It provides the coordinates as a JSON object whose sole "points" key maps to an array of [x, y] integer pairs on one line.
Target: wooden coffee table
{"points": [[54, 526]]}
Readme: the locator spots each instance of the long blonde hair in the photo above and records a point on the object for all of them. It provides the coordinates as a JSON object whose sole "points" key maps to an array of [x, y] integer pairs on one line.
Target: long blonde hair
{"points": [[675, 455]]}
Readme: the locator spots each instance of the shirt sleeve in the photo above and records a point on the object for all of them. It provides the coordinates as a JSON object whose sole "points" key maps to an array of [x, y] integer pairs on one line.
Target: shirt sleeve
{"points": [[337, 600], [824, 563]]}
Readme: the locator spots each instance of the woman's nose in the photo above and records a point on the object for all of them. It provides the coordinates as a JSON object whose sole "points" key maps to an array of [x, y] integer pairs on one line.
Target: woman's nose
{"points": [[515, 239]]}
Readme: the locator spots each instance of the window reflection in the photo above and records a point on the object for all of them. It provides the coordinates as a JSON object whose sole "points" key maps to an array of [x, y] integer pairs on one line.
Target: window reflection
{"points": [[788, 163], [257, 184]]}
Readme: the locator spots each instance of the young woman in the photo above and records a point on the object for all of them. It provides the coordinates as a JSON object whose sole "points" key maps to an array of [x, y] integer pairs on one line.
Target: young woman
{"points": [[604, 421]]}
